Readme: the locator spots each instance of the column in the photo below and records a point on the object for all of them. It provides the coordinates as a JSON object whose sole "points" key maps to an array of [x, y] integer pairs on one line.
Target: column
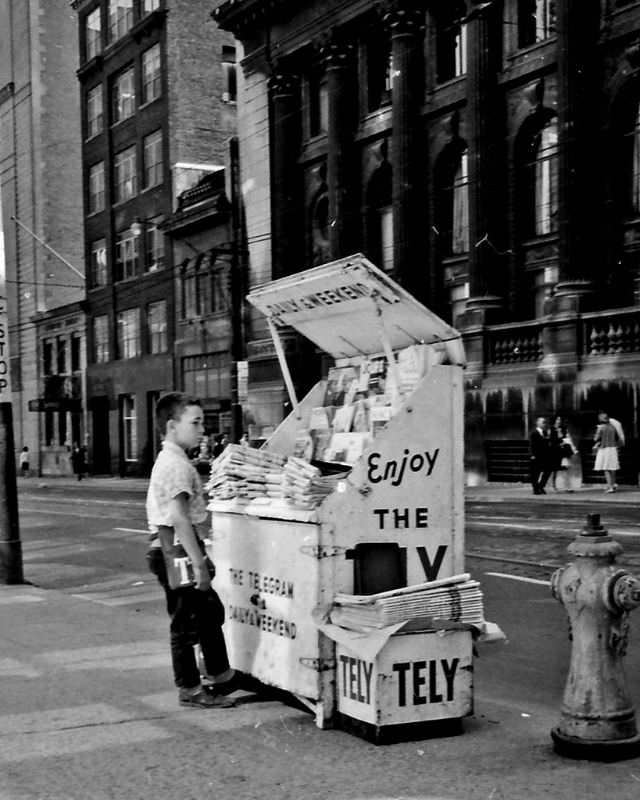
{"points": [[404, 19], [286, 197], [487, 228], [577, 37], [341, 167]]}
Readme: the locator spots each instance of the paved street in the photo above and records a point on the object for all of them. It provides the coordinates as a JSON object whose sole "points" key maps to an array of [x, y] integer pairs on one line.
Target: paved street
{"points": [[87, 709]]}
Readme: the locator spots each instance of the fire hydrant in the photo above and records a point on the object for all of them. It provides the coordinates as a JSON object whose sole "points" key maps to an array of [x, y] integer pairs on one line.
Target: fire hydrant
{"points": [[598, 718]]}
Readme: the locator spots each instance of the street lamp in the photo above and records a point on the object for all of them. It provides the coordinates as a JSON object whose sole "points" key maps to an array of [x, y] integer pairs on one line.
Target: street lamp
{"points": [[139, 225], [136, 228]]}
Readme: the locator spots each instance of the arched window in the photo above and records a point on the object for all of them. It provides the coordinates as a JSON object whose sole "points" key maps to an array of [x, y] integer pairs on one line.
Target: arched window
{"points": [[538, 187], [633, 148], [380, 216], [452, 213], [544, 168]]}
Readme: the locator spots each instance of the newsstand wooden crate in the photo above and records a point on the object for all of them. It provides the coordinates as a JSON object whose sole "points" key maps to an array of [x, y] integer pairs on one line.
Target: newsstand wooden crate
{"points": [[405, 490], [416, 679]]}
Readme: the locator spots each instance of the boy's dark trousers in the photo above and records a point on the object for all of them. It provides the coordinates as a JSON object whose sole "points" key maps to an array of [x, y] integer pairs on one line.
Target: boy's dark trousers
{"points": [[196, 618]]}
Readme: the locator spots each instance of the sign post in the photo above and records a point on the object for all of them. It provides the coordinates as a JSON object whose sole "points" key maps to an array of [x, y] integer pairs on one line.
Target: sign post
{"points": [[10, 548]]}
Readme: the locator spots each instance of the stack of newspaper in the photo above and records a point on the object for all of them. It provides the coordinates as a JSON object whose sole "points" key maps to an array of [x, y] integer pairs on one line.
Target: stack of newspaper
{"points": [[455, 599], [303, 485], [242, 472]]}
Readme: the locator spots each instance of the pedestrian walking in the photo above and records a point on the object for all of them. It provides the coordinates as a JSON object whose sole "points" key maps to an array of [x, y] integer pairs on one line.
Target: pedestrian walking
{"points": [[78, 460], [609, 439], [540, 456], [24, 462], [562, 451], [176, 511]]}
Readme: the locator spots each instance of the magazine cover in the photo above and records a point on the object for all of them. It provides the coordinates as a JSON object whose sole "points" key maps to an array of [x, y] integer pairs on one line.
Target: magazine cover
{"points": [[342, 383]]}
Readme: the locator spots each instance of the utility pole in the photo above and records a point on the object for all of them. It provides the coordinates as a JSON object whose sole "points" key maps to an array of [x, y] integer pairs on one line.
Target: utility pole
{"points": [[238, 287], [10, 548]]}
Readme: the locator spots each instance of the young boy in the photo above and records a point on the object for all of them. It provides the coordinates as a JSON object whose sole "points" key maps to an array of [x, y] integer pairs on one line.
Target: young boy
{"points": [[175, 506]]}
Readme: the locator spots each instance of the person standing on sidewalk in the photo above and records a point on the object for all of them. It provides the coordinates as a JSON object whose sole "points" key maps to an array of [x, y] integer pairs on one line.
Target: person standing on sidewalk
{"points": [[608, 439], [540, 456], [24, 462], [562, 451], [175, 511]]}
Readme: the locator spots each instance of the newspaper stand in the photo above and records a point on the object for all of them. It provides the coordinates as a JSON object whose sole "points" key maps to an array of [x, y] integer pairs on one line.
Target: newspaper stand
{"points": [[400, 505]]}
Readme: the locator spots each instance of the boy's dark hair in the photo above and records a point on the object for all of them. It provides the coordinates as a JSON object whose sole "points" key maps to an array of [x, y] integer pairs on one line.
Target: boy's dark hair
{"points": [[171, 406]]}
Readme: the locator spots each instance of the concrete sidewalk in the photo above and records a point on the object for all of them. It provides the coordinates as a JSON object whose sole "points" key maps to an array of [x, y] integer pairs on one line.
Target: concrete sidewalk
{"points": [[496, 492]]}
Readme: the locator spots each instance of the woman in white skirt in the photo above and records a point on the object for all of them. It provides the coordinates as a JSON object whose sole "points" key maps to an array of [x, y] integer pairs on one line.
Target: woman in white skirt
{"points": [[609, 437]]}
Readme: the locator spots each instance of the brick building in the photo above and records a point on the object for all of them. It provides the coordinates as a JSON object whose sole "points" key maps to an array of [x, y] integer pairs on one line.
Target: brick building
{"points": [[208, 342], [156, 114], [484, 153], [40, 186]]}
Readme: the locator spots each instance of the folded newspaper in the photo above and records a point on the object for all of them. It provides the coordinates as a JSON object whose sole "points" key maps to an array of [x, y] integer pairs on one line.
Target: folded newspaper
{"points": [[454, 599]]}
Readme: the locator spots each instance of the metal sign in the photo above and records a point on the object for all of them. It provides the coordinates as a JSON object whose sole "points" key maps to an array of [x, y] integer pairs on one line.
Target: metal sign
{"points": [[349, 307], [5, 382], [65, 404]]}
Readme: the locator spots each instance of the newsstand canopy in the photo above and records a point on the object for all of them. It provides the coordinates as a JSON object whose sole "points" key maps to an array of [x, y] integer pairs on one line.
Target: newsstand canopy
{"points": [[349, 307]]}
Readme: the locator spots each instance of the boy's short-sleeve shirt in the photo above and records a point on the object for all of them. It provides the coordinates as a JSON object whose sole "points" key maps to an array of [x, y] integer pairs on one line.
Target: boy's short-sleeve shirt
{"points": [[173, 474]]}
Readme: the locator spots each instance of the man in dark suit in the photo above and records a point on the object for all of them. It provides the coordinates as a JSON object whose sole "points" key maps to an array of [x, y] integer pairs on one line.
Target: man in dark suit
{"points": [[540, 455]]}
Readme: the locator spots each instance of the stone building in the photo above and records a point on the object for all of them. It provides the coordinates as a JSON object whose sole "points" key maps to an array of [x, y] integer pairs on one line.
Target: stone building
{"points": [[485, 154], [157, 110], [41, 202]]}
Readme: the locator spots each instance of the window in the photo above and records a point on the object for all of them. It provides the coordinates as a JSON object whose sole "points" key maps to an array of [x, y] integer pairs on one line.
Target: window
{"points": [[47, 357], [127, 255], [150, 5], [633, 138], [99, 276], [318, 104], [92, 34], [95, 114], [152, 159], [458, 297], [203, 288], [154, 247], [379, 70], [96, 188], [151, 74], [207, 376], [460, 210], [61, 356], [451, 45], [76, 350], [453, 200], [229, 76], [120, 18], [123, 96], [129, 427], [128, 327], [157, 326], [101, 339], [544, 169], [379, 237], [386, 238], [536, 21], [126, 184]]}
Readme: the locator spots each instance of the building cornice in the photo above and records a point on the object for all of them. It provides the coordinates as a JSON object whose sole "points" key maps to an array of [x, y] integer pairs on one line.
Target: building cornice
{"points": [[238, 16]]}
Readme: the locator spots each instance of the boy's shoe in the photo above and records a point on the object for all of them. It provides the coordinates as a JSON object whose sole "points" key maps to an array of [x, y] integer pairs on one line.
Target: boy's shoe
{"points": [[227, 687], [199, 698]]}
